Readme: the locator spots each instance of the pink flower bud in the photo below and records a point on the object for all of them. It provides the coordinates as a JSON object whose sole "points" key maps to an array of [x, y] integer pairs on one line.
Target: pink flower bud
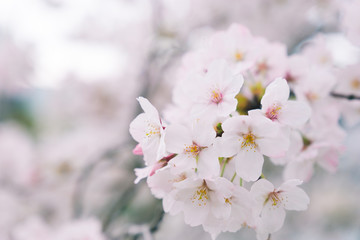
{"points": [[138, 150]]}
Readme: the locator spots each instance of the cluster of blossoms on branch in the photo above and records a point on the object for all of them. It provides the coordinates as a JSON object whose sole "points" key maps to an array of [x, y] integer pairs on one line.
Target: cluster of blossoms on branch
{"points": [[240, 102], [239, 99]]}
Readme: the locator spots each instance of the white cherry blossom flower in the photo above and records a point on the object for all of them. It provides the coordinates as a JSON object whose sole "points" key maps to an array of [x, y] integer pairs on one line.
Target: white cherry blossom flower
{"points": [[236, 45], [272, 203], [247, 139], [204, 199], [148, 131], [194, 148], [217, 91], [277, 107], [237, 212]]}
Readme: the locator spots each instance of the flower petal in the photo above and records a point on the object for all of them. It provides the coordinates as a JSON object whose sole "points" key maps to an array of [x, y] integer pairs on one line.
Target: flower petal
{"points": [[148, 107], [249, 164], [295, 113], [238, 124], [275, 146], [260, 191], [203, 133], [294, 197], [277, 92], [208, 163], [272, 217], [228, 145], [177, 138]]}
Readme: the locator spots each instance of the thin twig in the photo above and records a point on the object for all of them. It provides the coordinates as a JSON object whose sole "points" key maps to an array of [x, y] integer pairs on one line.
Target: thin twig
{"points": [[348, 97]]}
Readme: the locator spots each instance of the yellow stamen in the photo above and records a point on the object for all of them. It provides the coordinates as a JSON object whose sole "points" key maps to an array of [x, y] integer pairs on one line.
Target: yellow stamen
{"points": [[239, 56], [201, 196], [273, 112], [216, 96], [311, 96], [249, 141], [355, 84], [227, 200], [152, 130], [193, 150], [275, 197]]}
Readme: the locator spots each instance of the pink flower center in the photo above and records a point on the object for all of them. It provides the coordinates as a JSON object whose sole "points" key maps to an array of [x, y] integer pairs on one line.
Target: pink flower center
{"points": [[273, 112], [262, 68], [216, 96]]}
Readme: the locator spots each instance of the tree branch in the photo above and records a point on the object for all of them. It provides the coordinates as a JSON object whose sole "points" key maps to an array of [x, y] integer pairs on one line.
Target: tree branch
{"points": [[344, 96]]}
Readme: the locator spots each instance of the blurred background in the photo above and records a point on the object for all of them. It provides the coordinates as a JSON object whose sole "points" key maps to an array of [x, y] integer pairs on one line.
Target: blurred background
{"points": [[70, 71]]}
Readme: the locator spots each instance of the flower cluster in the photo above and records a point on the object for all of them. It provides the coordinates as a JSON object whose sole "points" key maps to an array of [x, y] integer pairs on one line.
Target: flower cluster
{"points": [[233, 107]]}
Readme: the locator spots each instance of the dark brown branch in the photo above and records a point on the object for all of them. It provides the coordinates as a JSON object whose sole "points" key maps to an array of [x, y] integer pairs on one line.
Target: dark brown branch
{"points": [[344, 96]]}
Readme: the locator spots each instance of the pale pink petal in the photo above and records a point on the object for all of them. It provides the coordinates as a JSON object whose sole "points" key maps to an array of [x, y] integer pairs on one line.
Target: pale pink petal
{"points": [[261, 125], [177, 137], [160, 183], [204, 110], [142, 173], [208, 163], [277, 92], [221, 210], [170, 205], [138, 127], [272, 217], [249, 164], [148, 107], [295, 113], [203, 133], [150, 149], [226, 107], [275, 146], [299, 169], [195, 215], [138, 150], [189, 183], [182, 163], [222, 186], [235, 85], [228, 145], [260, 191], [238, 124], [294, 198]]}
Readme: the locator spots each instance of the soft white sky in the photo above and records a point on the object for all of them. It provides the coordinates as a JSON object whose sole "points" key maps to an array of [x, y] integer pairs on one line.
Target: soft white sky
{"points": [[50, 29], [57, 53]]}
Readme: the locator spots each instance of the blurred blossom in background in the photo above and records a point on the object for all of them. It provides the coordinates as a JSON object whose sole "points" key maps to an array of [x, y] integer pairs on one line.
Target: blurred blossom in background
{"points": [[70, 72]]}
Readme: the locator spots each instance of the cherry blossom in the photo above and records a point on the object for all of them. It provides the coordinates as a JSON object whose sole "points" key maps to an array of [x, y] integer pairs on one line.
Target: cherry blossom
{"points": [[247, 139], [272, 203], [277, 107], [217, 91], [147, 129], [194, 148]]}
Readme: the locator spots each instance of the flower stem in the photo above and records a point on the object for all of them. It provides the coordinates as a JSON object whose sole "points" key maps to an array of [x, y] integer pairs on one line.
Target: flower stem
{"points": [[233, 177], [241, 182], [223, 167]]}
